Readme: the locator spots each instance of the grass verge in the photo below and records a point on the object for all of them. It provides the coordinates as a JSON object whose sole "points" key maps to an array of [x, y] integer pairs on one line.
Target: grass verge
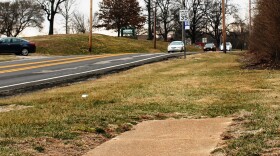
{"points": [[7, 58], [204, 85]]}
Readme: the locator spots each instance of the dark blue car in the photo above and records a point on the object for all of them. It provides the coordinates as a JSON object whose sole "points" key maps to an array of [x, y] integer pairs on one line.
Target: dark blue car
{"points": [[17, 46]]}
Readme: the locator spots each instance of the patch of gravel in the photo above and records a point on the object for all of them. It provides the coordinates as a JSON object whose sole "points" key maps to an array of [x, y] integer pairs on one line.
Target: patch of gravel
{"points": [[9, 108], [31, 57]]}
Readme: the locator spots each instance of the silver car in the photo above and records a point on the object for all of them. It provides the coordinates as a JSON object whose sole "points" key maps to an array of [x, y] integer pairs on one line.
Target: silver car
{"points": [[228, 46], [176, 46]]}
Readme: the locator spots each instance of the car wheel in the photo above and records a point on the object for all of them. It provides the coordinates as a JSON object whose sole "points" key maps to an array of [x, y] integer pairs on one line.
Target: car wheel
{"points": [[24, 52]]}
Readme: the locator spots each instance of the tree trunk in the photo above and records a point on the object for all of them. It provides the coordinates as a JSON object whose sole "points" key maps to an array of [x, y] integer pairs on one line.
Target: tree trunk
{"points": [[51, 25], [150, 35], [119, 32], [165, 32], [193, 32], [66, 24]]}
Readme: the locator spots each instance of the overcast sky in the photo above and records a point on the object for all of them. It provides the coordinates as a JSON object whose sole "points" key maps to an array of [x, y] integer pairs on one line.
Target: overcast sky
{"points": [[83, 7]]}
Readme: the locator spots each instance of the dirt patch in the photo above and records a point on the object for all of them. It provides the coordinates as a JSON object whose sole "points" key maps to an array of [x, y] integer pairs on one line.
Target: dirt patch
{"points": [[46, 146], [12, 108]]}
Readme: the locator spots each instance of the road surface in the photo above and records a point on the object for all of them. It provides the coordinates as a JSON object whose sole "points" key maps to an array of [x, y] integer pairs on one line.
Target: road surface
{"points": [[29, 74]]}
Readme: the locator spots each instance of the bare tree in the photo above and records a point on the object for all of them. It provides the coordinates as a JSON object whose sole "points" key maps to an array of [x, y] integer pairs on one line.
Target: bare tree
{"points": [[214, 18], [197, 18], [197, 13], [19, 15], [166, 16], [51, 8], [149, 8], [239, 32], [66, 11], [79, 23]]}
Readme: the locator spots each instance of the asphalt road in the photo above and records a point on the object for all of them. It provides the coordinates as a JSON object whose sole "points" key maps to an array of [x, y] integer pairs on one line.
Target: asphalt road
{"points": [[36, 73]]}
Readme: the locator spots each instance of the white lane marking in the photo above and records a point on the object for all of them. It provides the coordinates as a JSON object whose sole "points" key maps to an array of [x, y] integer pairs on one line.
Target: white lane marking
{"points": [[52, 71], [104, 62], [109, 61], [122, 59], [143, 55], [63, 76]]}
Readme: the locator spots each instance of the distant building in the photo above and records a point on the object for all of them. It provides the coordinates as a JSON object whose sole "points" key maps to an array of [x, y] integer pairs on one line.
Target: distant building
{"points": [[1, 36]]}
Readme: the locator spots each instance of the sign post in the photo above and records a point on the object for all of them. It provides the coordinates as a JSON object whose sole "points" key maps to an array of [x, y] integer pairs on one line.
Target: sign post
{"points": [[183, 18]]}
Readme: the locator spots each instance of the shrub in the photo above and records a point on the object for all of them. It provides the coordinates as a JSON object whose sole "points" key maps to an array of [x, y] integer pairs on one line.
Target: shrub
{"points": [[265, 36]]}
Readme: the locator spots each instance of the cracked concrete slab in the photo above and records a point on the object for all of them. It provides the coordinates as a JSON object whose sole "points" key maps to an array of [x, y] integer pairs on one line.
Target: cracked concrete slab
{"points": [[183, 137]]}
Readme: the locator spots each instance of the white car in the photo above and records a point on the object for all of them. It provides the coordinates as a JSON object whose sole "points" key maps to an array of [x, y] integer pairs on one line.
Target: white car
{"points": [[176, 46], [228, 46]]}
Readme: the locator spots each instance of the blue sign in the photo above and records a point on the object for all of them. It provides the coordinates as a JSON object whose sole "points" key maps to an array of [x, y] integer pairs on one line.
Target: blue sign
{"points": [[187, 25]]}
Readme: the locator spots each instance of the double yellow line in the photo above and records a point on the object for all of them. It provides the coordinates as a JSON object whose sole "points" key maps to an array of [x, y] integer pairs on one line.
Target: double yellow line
{"points": [[51, 63]]}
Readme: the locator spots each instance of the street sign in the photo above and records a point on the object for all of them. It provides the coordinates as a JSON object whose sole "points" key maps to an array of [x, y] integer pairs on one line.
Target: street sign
{"points": [[183, 15], [187, 25]]}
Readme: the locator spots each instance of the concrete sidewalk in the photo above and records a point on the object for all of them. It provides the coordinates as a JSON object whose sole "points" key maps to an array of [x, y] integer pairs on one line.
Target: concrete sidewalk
{"points": [[184, 137]]}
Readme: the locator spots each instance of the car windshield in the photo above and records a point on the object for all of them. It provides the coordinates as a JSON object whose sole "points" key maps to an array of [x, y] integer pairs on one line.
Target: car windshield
{"points": [[227, 43], [176, 43], [209, 45]]}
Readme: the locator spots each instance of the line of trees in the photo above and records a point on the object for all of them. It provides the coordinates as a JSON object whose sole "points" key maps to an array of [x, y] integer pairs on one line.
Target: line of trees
{"points": [[205, 16], [265, 35], [17, 15]]}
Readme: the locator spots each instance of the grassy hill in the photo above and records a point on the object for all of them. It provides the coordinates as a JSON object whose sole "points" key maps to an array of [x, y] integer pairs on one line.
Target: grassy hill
{"points": [[78, 44]]}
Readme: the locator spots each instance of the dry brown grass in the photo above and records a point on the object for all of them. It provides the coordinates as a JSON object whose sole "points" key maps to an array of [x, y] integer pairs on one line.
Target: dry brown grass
{"points": [[207, 85], [7, 57]]}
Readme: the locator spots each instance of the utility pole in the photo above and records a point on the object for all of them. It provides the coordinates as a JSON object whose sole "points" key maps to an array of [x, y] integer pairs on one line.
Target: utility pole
{"points": [[250, 16], [183, 23], [224, 26], [90, 28], [183, 30], [155, 26]]}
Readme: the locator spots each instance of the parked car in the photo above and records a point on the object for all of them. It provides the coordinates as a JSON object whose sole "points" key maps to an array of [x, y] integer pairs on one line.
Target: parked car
{"points": [[209, 47], [176, 46], [17, 46], [201, 44], [228, 46]]}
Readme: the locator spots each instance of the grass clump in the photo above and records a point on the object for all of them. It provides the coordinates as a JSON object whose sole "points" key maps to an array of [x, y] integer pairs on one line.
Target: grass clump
{"points": [[204, 85]]}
